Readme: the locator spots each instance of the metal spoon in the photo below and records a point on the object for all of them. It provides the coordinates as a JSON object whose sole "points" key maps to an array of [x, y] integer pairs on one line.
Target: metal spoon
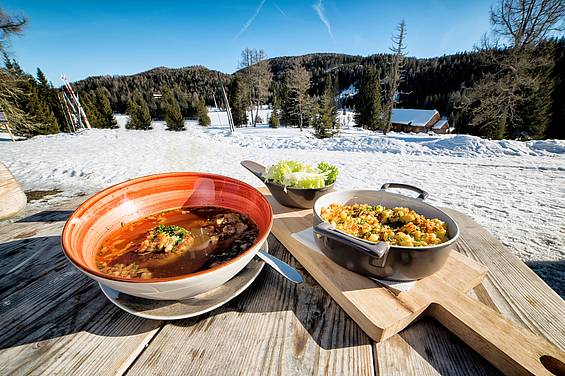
{"points": [[282, 267]]}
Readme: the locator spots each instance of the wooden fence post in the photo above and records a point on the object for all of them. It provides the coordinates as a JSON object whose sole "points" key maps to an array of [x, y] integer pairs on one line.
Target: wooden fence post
{"points": [[4, 120]]}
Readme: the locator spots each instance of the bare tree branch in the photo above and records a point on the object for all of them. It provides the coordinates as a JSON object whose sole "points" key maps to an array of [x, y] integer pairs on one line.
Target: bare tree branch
{"points": [[10, 25], [396, 72], [524, 23]]}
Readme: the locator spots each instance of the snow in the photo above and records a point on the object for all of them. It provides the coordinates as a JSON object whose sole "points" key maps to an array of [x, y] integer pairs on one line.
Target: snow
{"points": [[358, 140], [416, 118], [351, 91], [514, 189], [440, 124]]}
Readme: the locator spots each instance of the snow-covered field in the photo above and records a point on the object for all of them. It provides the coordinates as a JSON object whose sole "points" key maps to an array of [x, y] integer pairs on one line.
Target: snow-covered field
{"points": [[514, 189]]}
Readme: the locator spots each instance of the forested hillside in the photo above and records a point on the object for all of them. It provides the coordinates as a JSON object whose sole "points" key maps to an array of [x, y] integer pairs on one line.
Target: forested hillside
{"points": [[437, 83], [512, 87], [120, 89]]}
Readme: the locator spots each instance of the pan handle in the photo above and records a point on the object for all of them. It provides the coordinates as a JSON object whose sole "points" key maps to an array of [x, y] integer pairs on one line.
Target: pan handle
{"points": [[255, 168], [421, 193], [379, 249]]}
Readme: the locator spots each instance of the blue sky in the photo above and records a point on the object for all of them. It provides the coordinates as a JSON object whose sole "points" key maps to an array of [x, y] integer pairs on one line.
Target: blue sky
{"points": [[83, 38]]}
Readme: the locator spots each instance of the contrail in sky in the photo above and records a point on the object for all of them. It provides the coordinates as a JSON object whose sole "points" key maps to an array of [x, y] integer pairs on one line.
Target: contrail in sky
{"points": [[280, 10], [250, 20], [319, 8]]}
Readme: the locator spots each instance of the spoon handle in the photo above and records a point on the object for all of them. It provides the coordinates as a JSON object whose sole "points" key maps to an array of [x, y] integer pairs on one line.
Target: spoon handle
{"points": [[282, 267], [254, 167]]}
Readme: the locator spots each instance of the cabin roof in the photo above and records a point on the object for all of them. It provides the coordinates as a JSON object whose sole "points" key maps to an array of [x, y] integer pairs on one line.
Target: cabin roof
{"points": [[440, 124], [415, 118]]}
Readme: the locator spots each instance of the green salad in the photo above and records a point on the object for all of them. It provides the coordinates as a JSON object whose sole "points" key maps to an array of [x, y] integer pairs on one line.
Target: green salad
{"points": [[297, 174]]}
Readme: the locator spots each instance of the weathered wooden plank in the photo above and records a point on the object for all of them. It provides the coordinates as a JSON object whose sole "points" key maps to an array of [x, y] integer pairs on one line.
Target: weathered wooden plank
{"points": [[373, 307], [38, 255], [12, 198], [54, 319], [275, 327], [510, 287], [426, 348], [272, 328], [33, 245]]}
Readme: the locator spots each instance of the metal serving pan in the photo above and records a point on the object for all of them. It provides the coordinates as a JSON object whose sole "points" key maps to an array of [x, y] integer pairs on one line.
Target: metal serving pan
{"points": [[381, 260]]}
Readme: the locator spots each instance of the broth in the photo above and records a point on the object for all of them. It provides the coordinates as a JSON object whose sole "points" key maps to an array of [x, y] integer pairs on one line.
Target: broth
{"points": [[176, 242]]}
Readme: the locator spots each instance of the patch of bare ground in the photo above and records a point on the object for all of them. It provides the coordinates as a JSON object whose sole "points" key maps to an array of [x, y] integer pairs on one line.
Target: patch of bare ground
{"points": [[40, 195]]}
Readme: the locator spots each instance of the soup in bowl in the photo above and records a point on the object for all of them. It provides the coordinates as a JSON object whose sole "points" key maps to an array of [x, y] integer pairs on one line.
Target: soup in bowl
{"points": [[168, 236]]}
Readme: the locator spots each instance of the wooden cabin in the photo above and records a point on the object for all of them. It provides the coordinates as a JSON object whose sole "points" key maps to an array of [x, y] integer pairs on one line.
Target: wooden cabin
{"points": [[416, 121], [441, 126]]}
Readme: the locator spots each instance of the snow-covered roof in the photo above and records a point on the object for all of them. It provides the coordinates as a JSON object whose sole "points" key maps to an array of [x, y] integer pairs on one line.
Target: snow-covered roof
{"points": [[440, 124], [416, 118]]}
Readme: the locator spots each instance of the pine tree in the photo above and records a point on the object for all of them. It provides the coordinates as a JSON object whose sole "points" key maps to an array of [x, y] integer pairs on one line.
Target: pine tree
{"points": [[25, 101], [139, 115], [50, 95], [173, 117], [556, 128], [90, 109], [166, 100], [369, 112], [533, 114], [144, 114], [17, 68], [299, 84], [535, 107], [105, 116], [291, 111], [183, 100], [35, 105], [133, 112], [325, 123], [42, 79], [274, 120], [11, 92], [193, 105], [203, 118], [237, 101], [42, 114], [285, 113]]}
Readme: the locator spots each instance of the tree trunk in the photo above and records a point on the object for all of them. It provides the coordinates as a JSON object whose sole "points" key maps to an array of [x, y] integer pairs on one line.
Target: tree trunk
{"points": [[300, 111], [256, 113]]}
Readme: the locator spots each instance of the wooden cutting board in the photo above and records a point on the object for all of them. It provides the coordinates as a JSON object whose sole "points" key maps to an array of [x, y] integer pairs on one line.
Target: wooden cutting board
{"points": [[382, 312], [12, 198]]}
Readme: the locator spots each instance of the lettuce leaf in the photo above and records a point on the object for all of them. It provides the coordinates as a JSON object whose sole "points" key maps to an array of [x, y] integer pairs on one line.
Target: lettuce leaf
{"points": [[329, 170], [301, 175]]}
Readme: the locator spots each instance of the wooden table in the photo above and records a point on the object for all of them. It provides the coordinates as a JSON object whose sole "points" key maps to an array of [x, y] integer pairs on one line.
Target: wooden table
{"points": [[57, 321]]}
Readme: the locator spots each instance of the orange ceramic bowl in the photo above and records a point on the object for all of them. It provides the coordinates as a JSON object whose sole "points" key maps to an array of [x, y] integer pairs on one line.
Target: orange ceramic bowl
{"points": [[103, 213]]}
